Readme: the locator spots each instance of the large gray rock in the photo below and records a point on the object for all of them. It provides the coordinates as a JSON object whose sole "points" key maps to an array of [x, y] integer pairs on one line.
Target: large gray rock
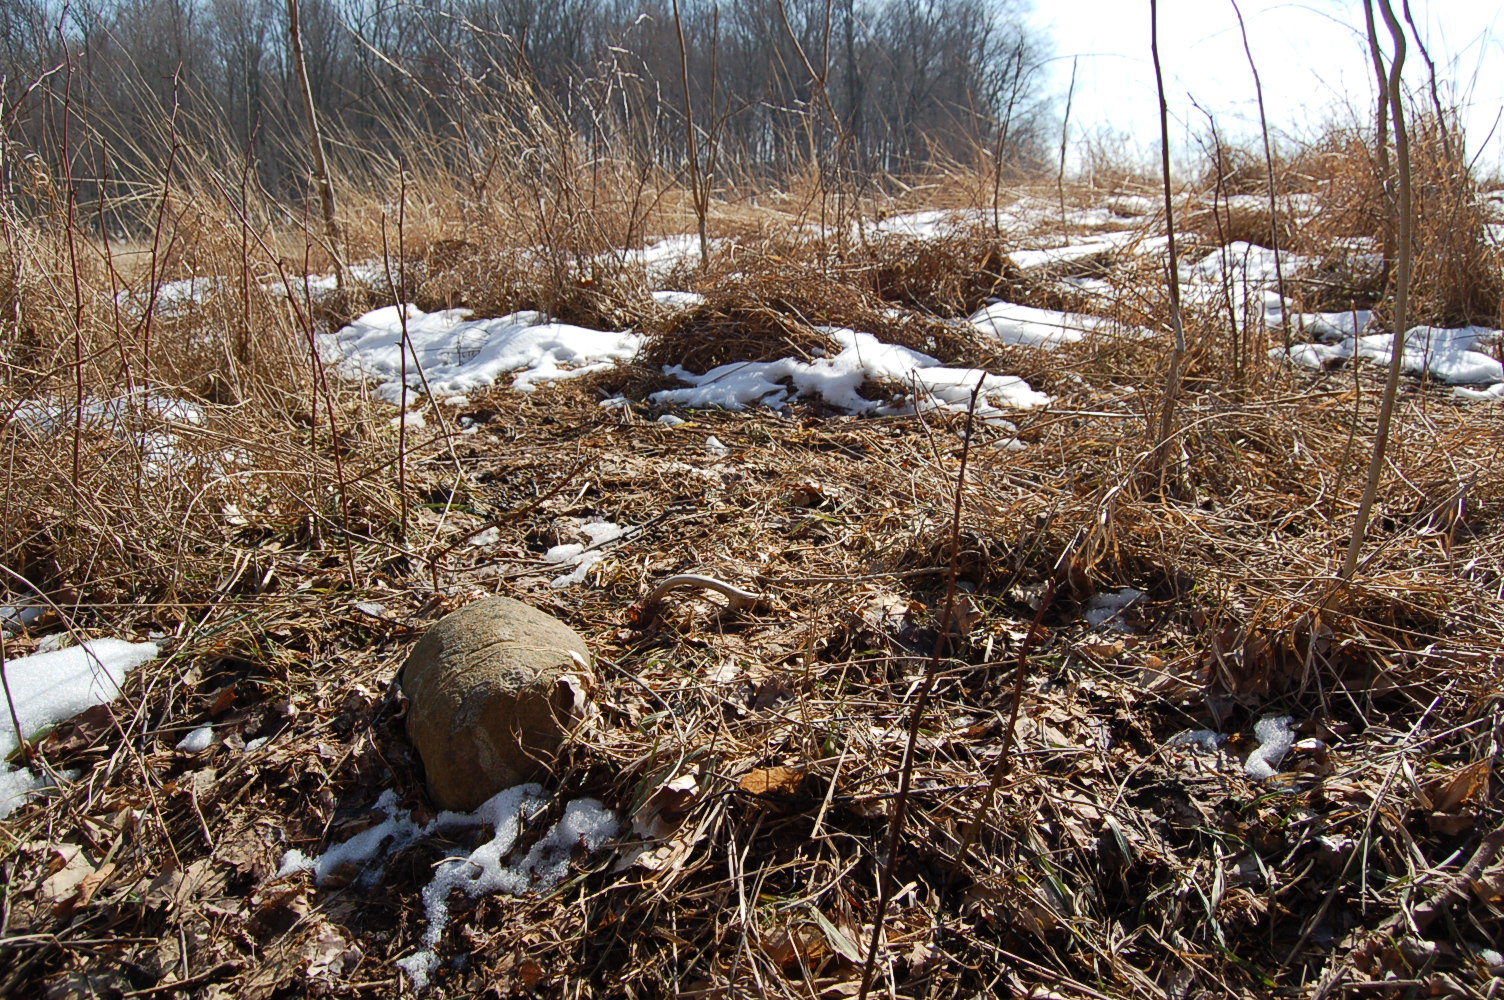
{"points": [[493, 691]]}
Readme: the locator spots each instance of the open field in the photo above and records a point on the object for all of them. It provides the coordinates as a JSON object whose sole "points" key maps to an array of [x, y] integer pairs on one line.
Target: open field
{"points": [[1047, 636]]}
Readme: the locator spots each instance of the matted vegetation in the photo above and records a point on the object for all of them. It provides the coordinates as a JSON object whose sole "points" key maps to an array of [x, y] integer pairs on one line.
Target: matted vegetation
{"points": [[289, 544]]}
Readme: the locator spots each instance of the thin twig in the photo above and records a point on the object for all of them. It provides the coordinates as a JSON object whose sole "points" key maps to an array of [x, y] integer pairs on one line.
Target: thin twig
{"points": [[1401, 296], [1004, 764], [1177, 356], [889, 857]]}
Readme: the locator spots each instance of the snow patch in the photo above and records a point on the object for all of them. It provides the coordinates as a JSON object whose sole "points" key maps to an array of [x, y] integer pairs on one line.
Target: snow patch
{"points": [[1026, 326], [140, 417], [1275, 740], [678, 300], [919, 225], [582, 557], [1205, 740], [19, 616], [662, 258], [837, 381], [197, 741], [47, 688], [586, 825], [1450, 355], [1104, 609], [458, 354]]}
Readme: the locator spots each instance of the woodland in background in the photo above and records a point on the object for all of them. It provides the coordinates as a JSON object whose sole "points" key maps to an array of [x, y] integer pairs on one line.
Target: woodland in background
{"points": [[869, 88]]}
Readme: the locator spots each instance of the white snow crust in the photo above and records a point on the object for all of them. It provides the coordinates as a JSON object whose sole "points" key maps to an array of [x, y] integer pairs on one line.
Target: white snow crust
{"points": [[837, 381], [582, 557], [47, 688], [1449, 355], [1275, 740], [1027, 326], [458, 354], [585, 825], [197, 741]]}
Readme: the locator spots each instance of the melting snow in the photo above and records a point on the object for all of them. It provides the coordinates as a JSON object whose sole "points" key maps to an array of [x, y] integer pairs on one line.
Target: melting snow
{"points": [[119, 415], [583, 557], [1105, 608], [142, 417], [1205, 740], [836, 381], [1247, 273], [1448, 354], [662, 258], [586, 824], [1030, 327], [49, 687], [1275, 740], [197, 741], [1060, 257], [678, 300], [458, 354], [19, 616], [919, 225]]}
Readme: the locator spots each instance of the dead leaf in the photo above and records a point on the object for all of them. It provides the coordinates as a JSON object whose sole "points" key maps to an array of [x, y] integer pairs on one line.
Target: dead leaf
{"points": [[245, 853], [774, 782], [1489, 885], [529, 973], [74, 880], [789, 947], [1450, 824], [223, 701], [1103, 650], [841, 941], [920, 955], [964, 615], [807, 494], [771, 693], [314, 950], [175, 887], [331, 956], [1449, 792], [886, 610], [279, 911], [202, 783], [70, 867], [92, 883], [666, 807], [97, 980], [83, 731], [571, 699]]}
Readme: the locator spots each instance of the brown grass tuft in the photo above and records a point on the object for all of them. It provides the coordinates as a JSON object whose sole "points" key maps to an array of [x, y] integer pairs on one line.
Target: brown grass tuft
{"points": [[766, 300], [1459, 273]]}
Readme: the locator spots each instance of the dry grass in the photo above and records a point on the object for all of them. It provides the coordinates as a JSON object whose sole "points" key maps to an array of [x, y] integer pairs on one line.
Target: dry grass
{"points": [[1459, 274], [1111, 863], [767, 298]]}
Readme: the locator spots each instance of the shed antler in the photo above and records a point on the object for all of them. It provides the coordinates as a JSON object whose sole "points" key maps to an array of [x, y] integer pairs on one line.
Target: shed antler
{"points": [[737, 599]]}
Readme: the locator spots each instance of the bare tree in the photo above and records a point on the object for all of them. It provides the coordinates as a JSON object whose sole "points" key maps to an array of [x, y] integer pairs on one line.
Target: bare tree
{"points": [[873, 85]]}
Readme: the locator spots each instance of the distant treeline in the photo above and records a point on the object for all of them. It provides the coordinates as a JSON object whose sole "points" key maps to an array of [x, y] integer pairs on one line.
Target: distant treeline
{"points": [[869, 86]]}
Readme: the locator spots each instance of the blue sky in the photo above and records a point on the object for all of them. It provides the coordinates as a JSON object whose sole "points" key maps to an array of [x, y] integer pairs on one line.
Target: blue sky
{"points": [[1311, 56]]}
